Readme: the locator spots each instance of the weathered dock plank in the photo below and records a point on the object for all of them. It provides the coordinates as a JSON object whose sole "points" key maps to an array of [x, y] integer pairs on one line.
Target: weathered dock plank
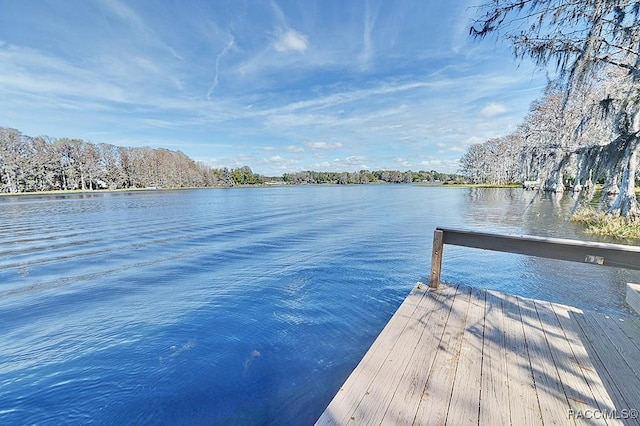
{"points": [[551, 394], [465, 396], [583, 362], [523, 407], [411, 389], [494, 391], [575, 387], [611, 366], [433, 406], [461, 355]]}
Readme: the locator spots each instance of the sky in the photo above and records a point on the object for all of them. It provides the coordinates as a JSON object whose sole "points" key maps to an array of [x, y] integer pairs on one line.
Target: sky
{"points": [[279, 86]]}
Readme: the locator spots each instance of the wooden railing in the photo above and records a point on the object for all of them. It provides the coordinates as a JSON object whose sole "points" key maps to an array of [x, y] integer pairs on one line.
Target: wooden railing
{"points": [[615, 255]]}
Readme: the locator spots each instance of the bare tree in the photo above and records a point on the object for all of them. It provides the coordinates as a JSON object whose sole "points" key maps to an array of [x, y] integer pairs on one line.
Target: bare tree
{"points": [[43, 164], [496, 161], [11, 151], [113, 171]]}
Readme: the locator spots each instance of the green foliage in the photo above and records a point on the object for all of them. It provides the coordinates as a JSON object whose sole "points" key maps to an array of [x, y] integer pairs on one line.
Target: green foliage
{"points": [[245, 176], [366, 177]]}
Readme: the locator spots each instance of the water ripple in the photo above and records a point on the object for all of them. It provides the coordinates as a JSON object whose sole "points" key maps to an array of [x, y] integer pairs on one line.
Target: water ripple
{"points": [[246, 306]]}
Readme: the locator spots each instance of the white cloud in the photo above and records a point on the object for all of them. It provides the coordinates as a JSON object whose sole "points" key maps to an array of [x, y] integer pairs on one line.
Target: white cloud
{"points": [[354, 95], [353, 159], [403, 162], [102, 79], [492, 109], [291, 41], [350, 163], [444, 166], [278, 164], [450, 147], [473, 140], [26, 70], [258, 64]]}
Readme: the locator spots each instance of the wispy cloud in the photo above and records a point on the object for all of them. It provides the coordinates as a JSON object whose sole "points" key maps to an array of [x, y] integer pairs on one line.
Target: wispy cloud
{"points": [[459, 31], [352, 95], [281, 164], [27, 70], [125, 13], [270, 85], [324, 146], [219, 56], [368, 51], [438, 164], [138, 24]]}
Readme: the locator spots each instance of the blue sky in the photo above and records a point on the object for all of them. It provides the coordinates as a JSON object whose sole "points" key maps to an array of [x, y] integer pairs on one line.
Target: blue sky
{"points": [[280, 86]]}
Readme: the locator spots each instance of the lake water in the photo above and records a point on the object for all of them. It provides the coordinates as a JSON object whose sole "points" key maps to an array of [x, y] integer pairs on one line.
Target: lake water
{"points": [[239, 306]]}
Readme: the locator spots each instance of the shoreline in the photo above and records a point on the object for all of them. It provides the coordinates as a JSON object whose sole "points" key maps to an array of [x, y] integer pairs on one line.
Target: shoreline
{"points": [[107, 191], [264, 185]]}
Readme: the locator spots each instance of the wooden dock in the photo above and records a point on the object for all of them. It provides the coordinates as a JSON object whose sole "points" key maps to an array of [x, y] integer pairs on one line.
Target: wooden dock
{"points": [[458, 355]]}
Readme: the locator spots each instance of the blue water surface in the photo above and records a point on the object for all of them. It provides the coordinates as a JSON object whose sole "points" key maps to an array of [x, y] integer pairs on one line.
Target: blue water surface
{"points": [[239, 306]]}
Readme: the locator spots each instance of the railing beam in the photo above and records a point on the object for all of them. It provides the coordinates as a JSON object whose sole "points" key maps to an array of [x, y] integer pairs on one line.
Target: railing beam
{"points": [[614, 255]]}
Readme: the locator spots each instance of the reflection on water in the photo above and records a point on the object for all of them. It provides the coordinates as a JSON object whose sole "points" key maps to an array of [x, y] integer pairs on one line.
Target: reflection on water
{"points": [[513, 210], [549, 215], [501, 210]]}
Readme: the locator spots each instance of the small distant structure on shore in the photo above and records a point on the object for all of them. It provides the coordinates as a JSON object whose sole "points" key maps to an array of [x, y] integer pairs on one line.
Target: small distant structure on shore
{"points": [[531, 184]]}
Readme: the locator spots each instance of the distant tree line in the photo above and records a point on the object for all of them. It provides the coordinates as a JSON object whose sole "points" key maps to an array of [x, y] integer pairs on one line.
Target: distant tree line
{"points": [[366, 176], [42, 163]]}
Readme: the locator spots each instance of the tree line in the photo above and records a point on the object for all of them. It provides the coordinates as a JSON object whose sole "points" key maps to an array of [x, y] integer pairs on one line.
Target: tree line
{"points": [[586, 128], [42, 163], [547, 146]]}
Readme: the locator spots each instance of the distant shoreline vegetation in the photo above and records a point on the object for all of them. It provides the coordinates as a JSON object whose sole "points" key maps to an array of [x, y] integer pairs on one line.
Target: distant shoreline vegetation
{"points": [[44, 164]]}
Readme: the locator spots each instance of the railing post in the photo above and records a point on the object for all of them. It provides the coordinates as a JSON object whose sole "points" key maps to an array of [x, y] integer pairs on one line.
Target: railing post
{"points": [[436, 258]]}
